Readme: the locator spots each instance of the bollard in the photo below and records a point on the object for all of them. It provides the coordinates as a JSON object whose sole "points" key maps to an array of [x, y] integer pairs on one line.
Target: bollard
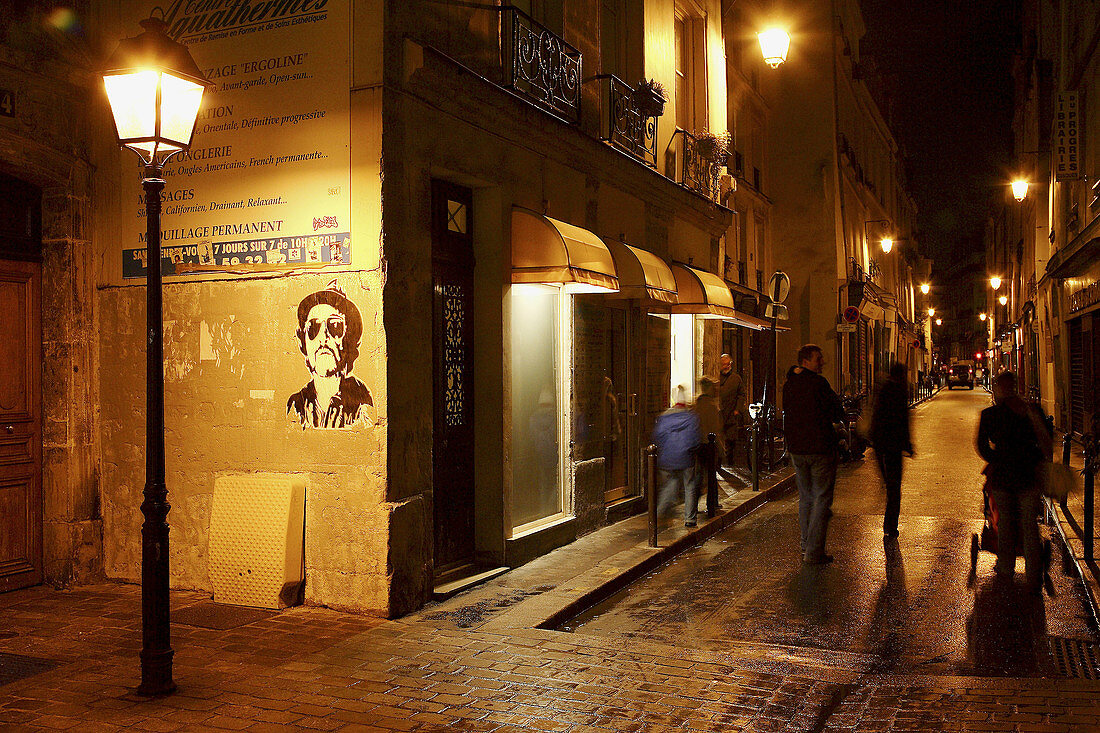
{"points": [[1090, 473], [756, 455], [651, 483], [1067, 446], [710, 466]]}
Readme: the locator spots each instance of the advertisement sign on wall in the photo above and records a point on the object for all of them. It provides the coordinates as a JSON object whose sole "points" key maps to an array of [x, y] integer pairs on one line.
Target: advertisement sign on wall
{"points": [[265, 185]]}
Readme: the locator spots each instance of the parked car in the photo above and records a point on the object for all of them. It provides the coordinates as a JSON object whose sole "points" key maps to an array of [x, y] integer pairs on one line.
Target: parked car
{"points": [[961, 375]]}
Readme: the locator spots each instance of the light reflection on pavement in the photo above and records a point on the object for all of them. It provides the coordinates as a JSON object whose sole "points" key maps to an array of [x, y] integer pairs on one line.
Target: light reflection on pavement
{"points": [[884, 606]]}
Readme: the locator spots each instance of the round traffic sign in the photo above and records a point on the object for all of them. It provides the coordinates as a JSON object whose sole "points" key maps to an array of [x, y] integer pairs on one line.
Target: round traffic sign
{"points": [[851, 314], [778, 287]]}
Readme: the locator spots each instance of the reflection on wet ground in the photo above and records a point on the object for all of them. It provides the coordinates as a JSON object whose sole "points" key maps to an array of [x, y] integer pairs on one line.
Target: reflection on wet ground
{"points": [[905, 605]]}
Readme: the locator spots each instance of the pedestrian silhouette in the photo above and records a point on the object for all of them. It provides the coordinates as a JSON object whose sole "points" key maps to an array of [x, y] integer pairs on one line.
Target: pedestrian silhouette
{"points": [[1013, 440], [890, 437], [810, 410]]}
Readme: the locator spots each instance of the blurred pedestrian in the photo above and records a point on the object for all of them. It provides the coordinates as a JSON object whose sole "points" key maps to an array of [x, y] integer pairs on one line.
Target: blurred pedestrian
{"points": [[1013, 439], [676, 435], [811, 409], [891, 438], [731, 392], [710, 417]]}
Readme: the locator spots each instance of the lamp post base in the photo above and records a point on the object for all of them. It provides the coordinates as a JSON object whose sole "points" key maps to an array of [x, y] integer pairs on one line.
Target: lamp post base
{"points": [[156, 673]]}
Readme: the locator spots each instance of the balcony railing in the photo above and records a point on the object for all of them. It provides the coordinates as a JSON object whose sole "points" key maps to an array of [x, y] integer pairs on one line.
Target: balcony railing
{"points": [[623, 124], [698, 173], [539, 65]]}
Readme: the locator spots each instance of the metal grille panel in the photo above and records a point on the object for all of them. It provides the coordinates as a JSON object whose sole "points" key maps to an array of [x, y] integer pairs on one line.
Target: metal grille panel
{"points": [[1076, 658]]}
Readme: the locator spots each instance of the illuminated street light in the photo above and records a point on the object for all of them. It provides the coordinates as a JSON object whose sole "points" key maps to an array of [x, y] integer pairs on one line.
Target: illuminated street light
{"points": [[995, 282], [1003, 299], [155, 89], [887, 244], [1019, 189], [939, 321], [925, 288], [774, 43], [931, 312], [983, 316]]}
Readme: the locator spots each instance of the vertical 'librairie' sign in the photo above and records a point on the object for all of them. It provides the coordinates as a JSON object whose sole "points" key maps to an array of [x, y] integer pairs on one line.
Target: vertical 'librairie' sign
{"points": [[1067, 142], [265, 185]]}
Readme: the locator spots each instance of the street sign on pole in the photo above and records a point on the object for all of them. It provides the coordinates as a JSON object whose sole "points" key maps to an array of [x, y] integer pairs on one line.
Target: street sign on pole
{"points": [[779, 286], [845, 328], [775, 310], [851, 314]]}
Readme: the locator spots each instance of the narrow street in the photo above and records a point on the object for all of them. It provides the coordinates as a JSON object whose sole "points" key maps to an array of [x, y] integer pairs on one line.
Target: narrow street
{"points": [[904, 606]]}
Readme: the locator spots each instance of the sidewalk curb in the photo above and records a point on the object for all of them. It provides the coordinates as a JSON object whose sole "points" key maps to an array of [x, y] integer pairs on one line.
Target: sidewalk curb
{"points": [[549, 610], [1072, 546]]}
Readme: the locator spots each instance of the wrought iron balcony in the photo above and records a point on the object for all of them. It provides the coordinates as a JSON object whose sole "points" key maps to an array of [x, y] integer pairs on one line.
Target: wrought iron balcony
{"points": [[623, 125], [540, 66], [698, 172]]}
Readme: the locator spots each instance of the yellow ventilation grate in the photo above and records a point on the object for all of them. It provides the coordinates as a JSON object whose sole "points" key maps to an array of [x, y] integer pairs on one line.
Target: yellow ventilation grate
{"points": [[256, 539]]}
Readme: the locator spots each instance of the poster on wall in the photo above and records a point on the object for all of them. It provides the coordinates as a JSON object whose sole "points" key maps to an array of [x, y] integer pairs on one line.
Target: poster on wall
{"points": [[265, 185]]}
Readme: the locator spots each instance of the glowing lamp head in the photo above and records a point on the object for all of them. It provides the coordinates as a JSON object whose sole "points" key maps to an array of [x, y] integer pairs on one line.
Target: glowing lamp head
{"points": [[774, 44], [925, 288], [995, 282], [887, 244], [982, 316], [155, 90], [1019, 189], [931, 312], [1003, 300], [939, 321]]}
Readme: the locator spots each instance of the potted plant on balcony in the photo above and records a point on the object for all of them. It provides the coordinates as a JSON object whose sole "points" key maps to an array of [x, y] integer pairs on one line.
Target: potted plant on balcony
{"points": [[649, 97], [711, 145]]}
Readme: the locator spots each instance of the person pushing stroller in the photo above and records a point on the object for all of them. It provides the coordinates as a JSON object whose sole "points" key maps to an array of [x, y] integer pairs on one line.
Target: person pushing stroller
{"points": [[1014, 440]]}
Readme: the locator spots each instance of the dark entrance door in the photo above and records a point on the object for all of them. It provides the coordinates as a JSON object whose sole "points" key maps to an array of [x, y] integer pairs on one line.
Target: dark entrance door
{"points": [[617, 423], [20, 426], [453, 382]]}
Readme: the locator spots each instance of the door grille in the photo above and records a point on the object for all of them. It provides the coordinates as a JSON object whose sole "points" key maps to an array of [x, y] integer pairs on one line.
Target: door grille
{"points": [[1076, 658]]}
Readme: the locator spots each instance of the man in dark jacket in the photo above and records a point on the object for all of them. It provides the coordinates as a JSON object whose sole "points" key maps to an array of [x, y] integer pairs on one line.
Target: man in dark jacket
{"points": [[731, 394], [676, 435], [890, 436], [810, 408], [1013, 438]]}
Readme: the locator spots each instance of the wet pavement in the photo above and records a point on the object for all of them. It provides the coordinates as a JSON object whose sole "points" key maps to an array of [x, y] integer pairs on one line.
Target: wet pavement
{"points": [[909, 605], [743, 640]]}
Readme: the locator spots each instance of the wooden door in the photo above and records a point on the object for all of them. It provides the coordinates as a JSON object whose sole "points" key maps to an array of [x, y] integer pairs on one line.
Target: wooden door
{"points": [[20, 426], [453, 366]]}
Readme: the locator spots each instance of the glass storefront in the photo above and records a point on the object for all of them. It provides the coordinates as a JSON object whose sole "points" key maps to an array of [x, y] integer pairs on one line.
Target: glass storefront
{"points": [[536, 403]]}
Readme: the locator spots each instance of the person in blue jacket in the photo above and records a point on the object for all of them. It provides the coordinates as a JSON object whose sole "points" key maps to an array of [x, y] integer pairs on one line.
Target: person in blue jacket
{"points": [[676, 435]]}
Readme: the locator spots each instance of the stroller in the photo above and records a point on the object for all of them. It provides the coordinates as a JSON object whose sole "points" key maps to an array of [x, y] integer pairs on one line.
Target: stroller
{"points": [[987, 540]]}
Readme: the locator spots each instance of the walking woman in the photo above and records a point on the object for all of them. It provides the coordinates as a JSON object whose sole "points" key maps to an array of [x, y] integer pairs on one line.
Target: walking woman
{"points": [[890, 436]]}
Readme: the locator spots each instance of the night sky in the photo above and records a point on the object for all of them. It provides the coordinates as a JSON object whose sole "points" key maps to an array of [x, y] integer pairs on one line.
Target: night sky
{"points": [[949, 64]]}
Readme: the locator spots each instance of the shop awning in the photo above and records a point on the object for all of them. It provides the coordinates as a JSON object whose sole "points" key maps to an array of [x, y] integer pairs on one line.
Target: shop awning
{"points": [[546, 250], [642, 275], [702, 293], [757, 324]]}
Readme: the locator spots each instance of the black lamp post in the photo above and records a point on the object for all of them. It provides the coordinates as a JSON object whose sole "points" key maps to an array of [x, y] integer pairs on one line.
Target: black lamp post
{"points": [[154, 88]]}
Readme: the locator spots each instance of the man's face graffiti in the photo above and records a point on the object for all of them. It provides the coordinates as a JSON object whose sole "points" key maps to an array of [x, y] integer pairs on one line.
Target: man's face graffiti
{"points": [[323, 336]]}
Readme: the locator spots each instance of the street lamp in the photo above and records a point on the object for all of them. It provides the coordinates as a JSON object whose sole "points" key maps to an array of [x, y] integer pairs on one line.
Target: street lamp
{"points": [[982, 316], [1019, 189], [931, 312], [995, 282], [939, 321], [774, 43], [885, 240], [1003, 300], [155, 89], [925, 287]]}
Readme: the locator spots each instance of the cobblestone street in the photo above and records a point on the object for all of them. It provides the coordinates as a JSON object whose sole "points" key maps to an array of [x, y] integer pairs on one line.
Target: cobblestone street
{"points": [[479, 662]]}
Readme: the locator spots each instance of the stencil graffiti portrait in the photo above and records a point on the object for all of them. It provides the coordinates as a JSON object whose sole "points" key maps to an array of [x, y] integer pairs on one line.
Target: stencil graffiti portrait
{"points": [[329, 332]]}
